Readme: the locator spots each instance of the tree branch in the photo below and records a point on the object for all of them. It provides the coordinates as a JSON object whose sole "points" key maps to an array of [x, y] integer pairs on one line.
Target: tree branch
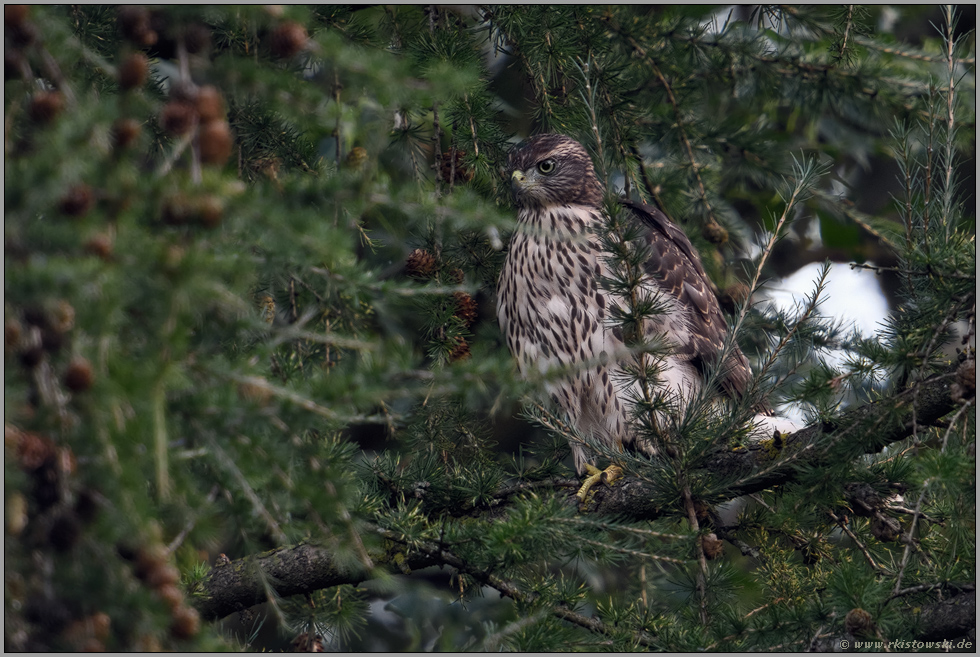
{"points": [[755, 468], [948, 619], [304, 568], [301, 568]]}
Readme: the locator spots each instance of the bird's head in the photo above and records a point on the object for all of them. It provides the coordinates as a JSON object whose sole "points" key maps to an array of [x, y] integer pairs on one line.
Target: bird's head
{"points": [[548, 170]]}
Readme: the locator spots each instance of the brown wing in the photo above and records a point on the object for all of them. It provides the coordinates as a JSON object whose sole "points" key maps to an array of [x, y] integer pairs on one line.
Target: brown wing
{"points": [[675, 264]]}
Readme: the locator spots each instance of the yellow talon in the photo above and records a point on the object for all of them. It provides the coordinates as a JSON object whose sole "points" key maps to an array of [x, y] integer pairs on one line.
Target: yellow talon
{"points": [[607, 476]]}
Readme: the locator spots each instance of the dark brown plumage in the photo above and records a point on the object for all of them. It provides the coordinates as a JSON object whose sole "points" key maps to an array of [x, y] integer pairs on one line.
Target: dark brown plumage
{"points": [[555, 315]]}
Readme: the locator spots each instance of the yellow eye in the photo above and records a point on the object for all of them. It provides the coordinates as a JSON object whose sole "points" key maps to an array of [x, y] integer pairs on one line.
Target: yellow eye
{"points": [[546, 166]]}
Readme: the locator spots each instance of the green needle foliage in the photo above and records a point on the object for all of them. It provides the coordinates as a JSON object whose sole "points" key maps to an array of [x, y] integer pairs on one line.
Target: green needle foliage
{"points": [[252, 369]]}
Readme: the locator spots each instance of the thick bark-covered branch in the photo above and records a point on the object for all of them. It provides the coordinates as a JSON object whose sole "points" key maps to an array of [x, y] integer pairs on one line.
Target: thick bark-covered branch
{"points": [[949, 619], [302, 568], [305, 568]]}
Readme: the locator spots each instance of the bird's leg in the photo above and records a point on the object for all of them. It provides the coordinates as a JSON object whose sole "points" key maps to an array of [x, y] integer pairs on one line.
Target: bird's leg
{"points": [[607, 476]]}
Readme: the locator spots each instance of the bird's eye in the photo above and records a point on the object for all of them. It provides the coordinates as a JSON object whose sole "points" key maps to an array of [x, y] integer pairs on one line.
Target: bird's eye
{"points": [[546, 166]]}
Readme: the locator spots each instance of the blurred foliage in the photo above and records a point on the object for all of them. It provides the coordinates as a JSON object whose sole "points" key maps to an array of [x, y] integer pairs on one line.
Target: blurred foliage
{"points": [[250, 258]]}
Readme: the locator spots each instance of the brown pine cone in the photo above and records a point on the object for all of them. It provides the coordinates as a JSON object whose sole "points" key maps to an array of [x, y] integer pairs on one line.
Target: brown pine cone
{"points": [[19, 30], [966, 376], [420, 264], [148, 559], [186, 623], [357, 156], [454, 170], [11, 334], [215, 142], [134, 72], [461, 351], [79, 376], [46, 106], [135, 24], [100, 623], [178, 117], [99, 245], [210, 211], [858, 622], [715, 233], [197, 38], [78, 201], [125, 132], [15, 15], [305, 643], [466, 308], [734, 295], [885, 529], [33, 449], [177, 210], [288, 39], [210, 105], [162, 575], [712, 546], [171, 596]]}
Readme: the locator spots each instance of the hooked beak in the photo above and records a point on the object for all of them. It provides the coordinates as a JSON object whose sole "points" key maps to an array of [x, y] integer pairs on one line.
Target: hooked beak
{"points": [[517, 181]]}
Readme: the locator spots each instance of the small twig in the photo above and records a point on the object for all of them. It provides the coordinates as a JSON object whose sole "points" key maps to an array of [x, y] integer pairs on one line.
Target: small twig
{"points": [[179, 149], [798, 191], [588, 96], [336, 130], [51, 66], [605, 526], [927, 195], [908, 546], [437, 144], [293, 310], [811, 307], [950, 117], [864, 550], [509, 590], [956, 418], [910, 512], [540, 91], [938, 334], [544, 484], [880, 268], [692, 518], [232, 468], [847, 31], [874, 45], [354, 534], [765, 606], [174, 544], [306, 404], [702, 191], [816, 637], [491, 643], [632, 553]]}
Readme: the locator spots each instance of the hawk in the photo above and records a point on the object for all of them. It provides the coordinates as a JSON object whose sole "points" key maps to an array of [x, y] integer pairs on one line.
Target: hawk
{"points": [[555, 315]]}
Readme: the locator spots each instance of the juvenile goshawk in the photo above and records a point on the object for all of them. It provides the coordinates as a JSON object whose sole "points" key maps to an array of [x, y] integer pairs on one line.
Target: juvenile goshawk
{"points": [[555, 314]]}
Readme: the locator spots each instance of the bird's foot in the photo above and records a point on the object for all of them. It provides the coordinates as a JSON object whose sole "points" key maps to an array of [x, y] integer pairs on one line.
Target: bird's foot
{"points": [[607, 476]]}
